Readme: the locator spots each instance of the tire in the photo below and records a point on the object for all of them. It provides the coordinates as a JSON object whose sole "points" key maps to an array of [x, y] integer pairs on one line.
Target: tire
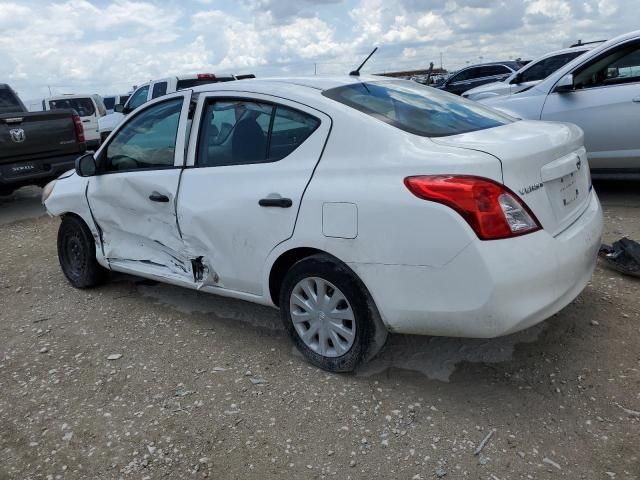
{"points": [[77, 254], [348, 332], [6, 191]]}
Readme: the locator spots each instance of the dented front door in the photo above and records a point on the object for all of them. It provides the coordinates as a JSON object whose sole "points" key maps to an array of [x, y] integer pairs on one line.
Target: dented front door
{"points": [[133, 197]]}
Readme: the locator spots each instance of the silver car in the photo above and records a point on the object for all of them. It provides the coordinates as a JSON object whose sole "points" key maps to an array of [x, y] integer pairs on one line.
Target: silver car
{"points": [[529, 75], [598, 91]]}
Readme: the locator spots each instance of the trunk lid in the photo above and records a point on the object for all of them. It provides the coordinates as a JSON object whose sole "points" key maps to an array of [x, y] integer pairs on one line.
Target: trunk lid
{"points": [[37, 135], [544, 163]]}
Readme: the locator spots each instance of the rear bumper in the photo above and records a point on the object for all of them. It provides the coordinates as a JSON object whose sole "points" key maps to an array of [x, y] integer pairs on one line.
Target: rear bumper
{"points": [[491, 288], [35, 172]]}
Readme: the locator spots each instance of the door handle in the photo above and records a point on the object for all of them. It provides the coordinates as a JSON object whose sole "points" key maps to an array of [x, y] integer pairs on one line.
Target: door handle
{"points": [[86, 121], [636, 100], [275, 202], [158, 197]]}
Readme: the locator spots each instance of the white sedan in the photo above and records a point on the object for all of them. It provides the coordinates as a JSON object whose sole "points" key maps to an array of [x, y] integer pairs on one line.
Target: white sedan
{"points": [[357, 205]]}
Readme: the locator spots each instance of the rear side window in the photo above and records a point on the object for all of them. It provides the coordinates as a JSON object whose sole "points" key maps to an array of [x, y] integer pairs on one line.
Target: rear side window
{"points": [[159, 89], [84, 106], [493, 70], [239, 132], [416, 108], [109, 102], [544, 68], [9, 102]]}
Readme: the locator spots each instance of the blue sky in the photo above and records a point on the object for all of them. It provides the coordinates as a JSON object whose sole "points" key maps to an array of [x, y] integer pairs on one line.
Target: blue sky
{"points": [[108, 46]]}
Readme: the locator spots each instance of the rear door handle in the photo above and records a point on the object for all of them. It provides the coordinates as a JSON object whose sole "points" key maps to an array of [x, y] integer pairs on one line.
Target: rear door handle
{"points": [[86, 121], [158, 197], [275, 202]]}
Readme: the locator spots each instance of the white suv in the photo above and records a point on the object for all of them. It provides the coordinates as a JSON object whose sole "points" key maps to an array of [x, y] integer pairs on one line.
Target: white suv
{"points": [[157, 88], [598, 91]]}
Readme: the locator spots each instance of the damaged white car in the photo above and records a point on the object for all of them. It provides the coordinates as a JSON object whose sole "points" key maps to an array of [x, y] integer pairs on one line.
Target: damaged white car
{"points": [[357, 205]]}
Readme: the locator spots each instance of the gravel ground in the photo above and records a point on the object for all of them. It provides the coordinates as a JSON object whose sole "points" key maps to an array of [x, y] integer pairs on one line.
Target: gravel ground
{"points": [[136, 380]]}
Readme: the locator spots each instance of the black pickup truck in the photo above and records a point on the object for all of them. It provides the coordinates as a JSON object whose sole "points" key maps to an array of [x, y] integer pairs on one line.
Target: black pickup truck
{"points": [[35, 147]]}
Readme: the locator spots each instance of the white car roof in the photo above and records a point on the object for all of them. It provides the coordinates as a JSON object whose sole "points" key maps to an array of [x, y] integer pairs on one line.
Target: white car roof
{"points": [[319, 83]]}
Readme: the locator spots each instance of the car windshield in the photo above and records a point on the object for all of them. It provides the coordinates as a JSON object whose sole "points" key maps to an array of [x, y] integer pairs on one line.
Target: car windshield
{"points": [[416, 108]]}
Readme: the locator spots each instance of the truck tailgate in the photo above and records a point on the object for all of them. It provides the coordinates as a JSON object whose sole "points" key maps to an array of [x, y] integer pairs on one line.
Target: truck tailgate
{"points": [[37, 135]]}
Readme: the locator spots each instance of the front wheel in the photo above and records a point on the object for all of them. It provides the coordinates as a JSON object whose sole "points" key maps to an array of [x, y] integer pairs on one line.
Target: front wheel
{"points": [[330, 315], [77, 254]]}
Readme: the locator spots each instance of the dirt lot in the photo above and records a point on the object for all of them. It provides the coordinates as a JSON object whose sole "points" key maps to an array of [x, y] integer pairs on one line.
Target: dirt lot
{"points": [[203, 386]]}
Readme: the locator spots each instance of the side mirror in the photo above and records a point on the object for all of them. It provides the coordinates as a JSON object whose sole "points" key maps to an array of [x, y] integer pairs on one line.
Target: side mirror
{"points": [[565, 84], [118, 108], [86, 165]]}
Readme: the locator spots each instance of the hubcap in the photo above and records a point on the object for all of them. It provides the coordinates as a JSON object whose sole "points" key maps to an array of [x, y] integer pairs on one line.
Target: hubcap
{"points": [[322, 317]]}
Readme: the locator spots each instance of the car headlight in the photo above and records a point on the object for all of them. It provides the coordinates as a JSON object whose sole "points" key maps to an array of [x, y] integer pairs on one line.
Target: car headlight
{"points": [[48, 190]]}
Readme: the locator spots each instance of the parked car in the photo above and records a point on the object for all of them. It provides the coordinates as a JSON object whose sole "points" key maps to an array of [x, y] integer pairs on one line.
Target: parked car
{"points": [[598, 91], [110, 101], [35, 146], [157, 88], [476, 75], [90, 108], [529, 75], [357, 205]]}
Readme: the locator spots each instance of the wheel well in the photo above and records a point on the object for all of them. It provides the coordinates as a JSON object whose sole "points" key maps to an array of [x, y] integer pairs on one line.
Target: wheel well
{"points": [[282, 265]]}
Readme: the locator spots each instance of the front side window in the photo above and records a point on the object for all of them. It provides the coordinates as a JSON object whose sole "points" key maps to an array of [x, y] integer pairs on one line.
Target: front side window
{"points": [[462, 76], [544, 68], [147, 141], [494, 70], [240, 132], [138, 98], [84, 106], [159, 89], [416, 108], [622, 65]]}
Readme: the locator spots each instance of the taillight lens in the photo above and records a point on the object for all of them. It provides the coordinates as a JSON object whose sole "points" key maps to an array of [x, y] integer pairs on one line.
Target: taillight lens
{"points": [[79, 129], [205, 76], [491, 209]]}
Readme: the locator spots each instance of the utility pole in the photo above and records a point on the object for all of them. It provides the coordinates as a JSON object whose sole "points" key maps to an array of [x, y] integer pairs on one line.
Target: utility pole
{"points": [[315, 68], [441, 61], [49, 87]]}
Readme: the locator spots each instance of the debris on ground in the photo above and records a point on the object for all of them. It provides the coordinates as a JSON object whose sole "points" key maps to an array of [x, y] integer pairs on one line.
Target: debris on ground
{"points": [[623, 256]]}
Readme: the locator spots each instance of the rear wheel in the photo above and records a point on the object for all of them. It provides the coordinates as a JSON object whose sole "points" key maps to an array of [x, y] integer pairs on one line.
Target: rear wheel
{"points": [[77, 254], [329, 314], [6, 191]]}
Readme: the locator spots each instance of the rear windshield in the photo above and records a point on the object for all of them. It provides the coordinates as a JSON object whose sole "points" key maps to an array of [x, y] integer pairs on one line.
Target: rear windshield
{"points": [[416, 108], [109, 102], [84, 106], [196, 82], [9, 102]]}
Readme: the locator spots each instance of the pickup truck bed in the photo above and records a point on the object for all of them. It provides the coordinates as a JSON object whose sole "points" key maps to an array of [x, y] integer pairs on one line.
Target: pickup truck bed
{"points": [[36, 147]]}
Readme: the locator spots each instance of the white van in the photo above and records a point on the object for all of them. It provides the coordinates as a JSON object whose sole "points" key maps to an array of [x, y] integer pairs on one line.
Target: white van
{"points": [[89, 107]]}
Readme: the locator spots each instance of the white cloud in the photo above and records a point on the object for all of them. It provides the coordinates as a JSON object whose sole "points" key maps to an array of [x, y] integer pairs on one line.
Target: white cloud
{"points": [[100, 46]]}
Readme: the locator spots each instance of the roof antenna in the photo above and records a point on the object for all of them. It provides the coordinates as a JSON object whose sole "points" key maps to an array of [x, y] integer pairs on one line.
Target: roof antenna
{"points": [[356, 73]]}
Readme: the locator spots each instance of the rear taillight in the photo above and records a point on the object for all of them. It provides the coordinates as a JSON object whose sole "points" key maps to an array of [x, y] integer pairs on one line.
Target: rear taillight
{"points": [[204, 76], [491, 209], [79, 130]]}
